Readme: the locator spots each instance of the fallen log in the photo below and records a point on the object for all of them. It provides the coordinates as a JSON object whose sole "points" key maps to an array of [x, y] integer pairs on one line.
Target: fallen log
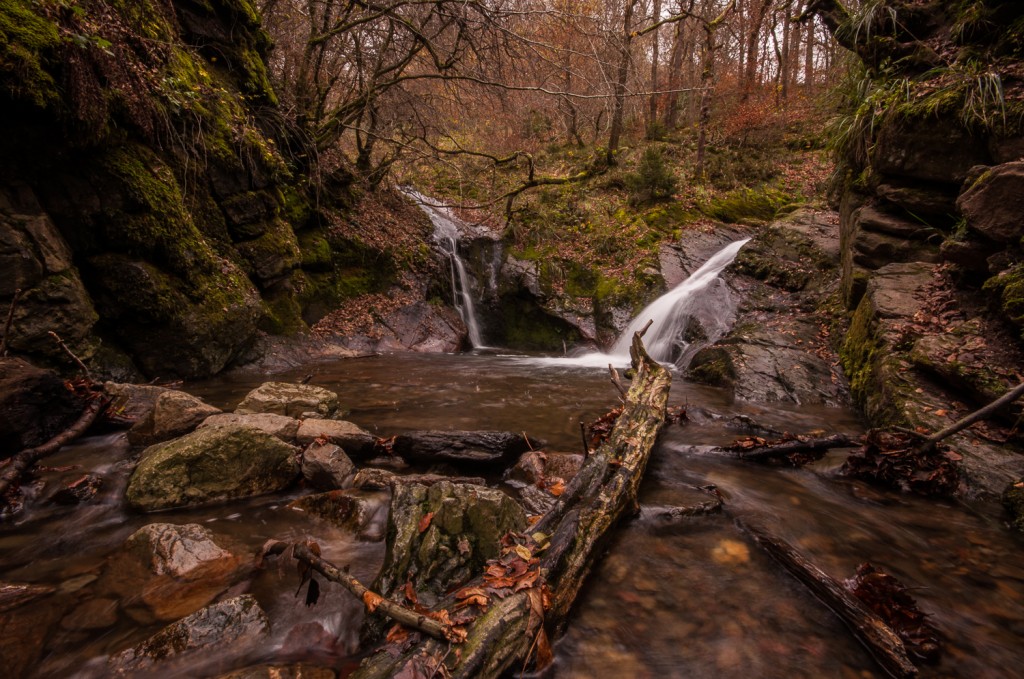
{"points": [[462, 447], [771, 451], [881, 641], [526, 594], [21, 462]]}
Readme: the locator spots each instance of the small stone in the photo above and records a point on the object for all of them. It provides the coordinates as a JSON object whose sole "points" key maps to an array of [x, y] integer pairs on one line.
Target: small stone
{"points": [[174, 413], [361, 512], [326, 466], [352, 439]]}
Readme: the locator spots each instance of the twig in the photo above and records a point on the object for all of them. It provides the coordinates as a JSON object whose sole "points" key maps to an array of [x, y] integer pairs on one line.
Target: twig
{"points": [[976, 416], [583, 435], [26, 458], [70, 353], [395, 611], [10, 320], [771, 451], [617, 380]]}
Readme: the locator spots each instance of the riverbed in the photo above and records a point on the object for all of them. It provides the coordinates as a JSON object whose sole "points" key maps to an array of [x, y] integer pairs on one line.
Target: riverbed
{"points": [[684, 598]]}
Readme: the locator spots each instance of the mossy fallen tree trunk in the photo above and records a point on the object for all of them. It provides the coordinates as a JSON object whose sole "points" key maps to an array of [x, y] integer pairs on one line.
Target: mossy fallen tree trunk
{"points": [[526, 594]]}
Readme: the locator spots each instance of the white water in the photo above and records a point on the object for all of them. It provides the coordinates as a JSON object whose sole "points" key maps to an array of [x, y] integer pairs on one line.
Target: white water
{"points": [[702, 296], [446, 235]]}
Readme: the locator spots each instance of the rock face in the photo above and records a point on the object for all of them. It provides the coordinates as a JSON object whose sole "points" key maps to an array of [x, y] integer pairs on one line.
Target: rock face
{"points": [[34, 406], [174, 413], [229, 627], [993, 204], [164, 571], [293, 400], [209, 465]]}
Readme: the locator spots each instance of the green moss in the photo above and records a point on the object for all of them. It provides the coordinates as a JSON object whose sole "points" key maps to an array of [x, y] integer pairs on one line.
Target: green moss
{"points": [[28, 41], [750, 206], [525, 326], [712, 366], [296, 208], [1008, 286], [316, 252], [282, 315]]}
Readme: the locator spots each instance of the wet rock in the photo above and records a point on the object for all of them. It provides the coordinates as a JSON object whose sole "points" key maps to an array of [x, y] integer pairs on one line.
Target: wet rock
{"points": [[770, 364], [228, 628], [165, 571], [360, 512], [28, 616], [326, 466], [82, 489], [417, 326], [948, 358], [441, 535], [871, 218], [134, 401], [34, 406], [278, 426], [353, 440], [209, 465], [873, 250], [282, 398], [1013, 500], [994, 203], [472, 447], [93, 614], [535, 466], [300, 671], [174, 413]]}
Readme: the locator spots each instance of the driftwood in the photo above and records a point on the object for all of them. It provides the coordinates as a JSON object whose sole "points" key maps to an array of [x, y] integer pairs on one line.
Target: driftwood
{"points": [[21, 462], [880, 640], [774, 451], [514, 621]]}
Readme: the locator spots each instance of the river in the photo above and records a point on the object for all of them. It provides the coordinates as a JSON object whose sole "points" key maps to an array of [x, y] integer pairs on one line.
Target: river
{"points": [[686, 599]]}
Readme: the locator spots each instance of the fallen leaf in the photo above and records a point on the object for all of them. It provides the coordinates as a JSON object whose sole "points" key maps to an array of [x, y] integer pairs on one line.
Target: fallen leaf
{"points": [[372, 601], [425, 521]]}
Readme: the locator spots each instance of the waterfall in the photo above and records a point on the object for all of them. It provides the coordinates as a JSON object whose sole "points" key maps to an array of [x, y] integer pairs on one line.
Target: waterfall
{"points": [[676, 309], [446, 235]]}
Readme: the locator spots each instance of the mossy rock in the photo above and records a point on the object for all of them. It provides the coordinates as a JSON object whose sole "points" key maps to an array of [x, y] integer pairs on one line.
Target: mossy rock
{"points": [[712, 366], [1008, 287], [29, 41], [212, 464]]}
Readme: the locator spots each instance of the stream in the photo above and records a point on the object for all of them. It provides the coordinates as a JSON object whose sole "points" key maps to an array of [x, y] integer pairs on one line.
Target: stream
{"points": [[691, 598]]}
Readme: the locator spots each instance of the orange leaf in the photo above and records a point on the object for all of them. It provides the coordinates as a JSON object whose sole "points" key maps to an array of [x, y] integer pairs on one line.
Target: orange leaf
{"points": [[544, 655], [557, 488], [425, 521], [371, 601]]}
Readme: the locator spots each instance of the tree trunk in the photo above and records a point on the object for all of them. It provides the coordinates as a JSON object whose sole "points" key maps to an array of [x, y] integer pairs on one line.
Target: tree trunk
{"points": [[619, 105], [574, 530], [652, 115]]}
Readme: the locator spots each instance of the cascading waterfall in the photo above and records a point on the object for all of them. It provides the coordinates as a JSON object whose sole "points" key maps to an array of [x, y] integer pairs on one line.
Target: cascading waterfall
{"points": [[675, 310], [446, 235]]}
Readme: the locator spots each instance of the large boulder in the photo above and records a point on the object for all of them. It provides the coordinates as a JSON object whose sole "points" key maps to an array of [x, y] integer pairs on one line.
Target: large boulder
{"points": [[24, 608], [228, 628], [353, 439], [166, 571], [994, 204], [209, 465], [278, 426], [174, 413], [34, 405], [293, 400]]}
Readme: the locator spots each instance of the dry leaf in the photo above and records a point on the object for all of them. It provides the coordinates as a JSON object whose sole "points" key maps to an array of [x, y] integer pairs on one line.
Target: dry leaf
{"points": [[425, 521], [372, 601]]}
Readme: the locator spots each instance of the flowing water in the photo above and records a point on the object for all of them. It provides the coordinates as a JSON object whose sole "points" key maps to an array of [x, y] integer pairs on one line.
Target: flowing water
{"points": [[693, 598], [446, 235]]}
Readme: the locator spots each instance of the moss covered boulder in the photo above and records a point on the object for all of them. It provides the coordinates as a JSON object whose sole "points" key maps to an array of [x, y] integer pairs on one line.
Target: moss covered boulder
{"points": [[209, 465]]}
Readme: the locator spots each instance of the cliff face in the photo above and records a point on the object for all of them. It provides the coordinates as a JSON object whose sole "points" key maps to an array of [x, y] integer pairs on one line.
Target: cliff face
{"points": [[153, 210], [932, 144]]}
